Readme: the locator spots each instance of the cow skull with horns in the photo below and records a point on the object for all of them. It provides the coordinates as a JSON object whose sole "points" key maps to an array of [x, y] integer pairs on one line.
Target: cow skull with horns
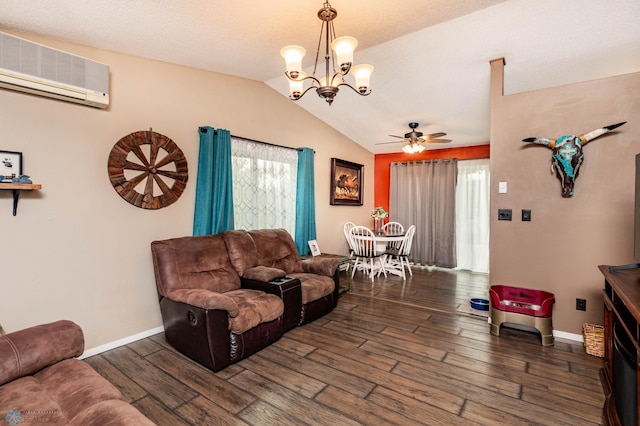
{"points": [[567, 154]]}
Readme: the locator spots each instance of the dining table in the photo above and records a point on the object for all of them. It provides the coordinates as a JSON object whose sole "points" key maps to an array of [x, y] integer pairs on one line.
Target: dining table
{"points": [[383, 239]]}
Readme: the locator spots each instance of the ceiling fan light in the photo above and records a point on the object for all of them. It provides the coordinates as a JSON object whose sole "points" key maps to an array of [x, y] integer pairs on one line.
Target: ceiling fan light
{"points": [[344, 47], [293, 58], [362, 74]]}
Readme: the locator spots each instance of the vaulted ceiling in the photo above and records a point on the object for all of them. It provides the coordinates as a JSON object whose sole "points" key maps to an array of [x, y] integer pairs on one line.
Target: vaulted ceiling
{"points": [[431, 57]]}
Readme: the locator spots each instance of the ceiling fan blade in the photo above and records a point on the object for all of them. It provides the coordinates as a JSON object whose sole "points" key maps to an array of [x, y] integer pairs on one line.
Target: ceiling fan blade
{"points": [[438, 140], [385, 143], [436, 135], [394, 136]]}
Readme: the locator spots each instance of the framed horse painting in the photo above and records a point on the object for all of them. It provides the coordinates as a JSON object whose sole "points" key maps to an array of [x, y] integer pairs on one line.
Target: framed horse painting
{"points": [[346, 183]]}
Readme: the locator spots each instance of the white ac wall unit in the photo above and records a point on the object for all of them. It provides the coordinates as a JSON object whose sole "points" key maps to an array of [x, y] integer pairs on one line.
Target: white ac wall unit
{"points": [[30, 67]]}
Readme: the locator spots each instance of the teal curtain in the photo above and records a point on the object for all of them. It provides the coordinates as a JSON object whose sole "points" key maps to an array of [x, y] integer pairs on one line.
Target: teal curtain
{"points": [[305, 201], [214, 194]]}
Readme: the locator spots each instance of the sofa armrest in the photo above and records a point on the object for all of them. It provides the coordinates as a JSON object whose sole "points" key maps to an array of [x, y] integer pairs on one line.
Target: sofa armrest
{"points": [[263, 273], [321, 265], [205, 299], [30, 350]]}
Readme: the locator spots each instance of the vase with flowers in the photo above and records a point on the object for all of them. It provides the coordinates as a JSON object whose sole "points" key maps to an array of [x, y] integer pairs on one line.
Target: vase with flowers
{"points": [[378, 214]]}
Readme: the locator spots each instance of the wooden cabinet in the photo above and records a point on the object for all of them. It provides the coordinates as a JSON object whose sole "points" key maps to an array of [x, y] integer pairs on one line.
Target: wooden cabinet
{"points": [[621, 373]]}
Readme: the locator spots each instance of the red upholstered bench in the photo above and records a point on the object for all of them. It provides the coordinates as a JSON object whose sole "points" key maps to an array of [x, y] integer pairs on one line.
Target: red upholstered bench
{"points": [[522, 306]]}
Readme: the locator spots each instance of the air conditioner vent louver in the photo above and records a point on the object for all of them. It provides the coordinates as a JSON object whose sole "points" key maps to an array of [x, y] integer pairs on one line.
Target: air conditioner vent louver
{"points": [[34, 68]]}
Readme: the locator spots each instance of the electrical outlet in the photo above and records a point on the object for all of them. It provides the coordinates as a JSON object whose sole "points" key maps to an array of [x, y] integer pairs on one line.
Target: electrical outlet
{"points": [[581, 304], [504, 214]]}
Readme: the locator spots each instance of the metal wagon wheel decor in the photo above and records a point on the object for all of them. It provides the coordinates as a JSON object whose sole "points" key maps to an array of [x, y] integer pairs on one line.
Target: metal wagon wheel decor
{"points": [[159, 169]]}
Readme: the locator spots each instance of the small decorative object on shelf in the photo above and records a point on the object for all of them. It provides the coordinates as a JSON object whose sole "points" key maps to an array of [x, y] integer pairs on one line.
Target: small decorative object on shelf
{"points": [[378, 214], [21, 179]]}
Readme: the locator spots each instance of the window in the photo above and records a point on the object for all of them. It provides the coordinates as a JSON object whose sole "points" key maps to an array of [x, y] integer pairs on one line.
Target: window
{"points": [[472, 215], [264, 185]]}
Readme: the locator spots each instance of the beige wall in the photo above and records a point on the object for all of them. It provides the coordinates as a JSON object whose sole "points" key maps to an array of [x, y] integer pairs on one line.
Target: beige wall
{"points": [[76, 250], [560, 249]]}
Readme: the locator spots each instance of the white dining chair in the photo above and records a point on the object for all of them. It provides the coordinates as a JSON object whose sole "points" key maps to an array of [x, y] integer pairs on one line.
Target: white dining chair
{"points": [[346, 229], [393, 228], [399, 257], [367, 258]]}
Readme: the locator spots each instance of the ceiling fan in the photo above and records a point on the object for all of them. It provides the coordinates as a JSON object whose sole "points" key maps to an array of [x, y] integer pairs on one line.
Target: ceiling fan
{"points": [[414, 139]]}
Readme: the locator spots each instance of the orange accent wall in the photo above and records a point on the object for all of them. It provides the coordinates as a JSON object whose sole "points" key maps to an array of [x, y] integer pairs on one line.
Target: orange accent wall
{"points": [[382, 166]]}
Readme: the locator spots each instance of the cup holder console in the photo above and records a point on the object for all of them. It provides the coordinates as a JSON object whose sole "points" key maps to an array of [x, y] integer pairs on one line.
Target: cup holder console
{"points": [[281, 280]]}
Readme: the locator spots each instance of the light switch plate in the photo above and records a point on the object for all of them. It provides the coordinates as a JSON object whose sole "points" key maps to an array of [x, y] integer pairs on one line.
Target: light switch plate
{"points": [[502, 187]]}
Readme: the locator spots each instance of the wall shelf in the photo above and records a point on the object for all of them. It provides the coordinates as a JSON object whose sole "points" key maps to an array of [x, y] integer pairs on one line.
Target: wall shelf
{"points": [[16, 188]]}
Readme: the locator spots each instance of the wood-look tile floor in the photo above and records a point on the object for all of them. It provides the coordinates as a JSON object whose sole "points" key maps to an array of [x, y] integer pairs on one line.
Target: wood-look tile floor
{"points": [[392, 352]]}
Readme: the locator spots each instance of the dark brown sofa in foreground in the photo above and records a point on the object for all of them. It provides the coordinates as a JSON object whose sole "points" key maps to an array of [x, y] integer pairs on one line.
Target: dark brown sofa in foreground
{"points": [[41, 382], [223, 297]]}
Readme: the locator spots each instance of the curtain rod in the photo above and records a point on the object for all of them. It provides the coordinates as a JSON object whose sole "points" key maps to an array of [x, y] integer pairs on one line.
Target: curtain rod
{"points": [[204, 130], [435, 160]]}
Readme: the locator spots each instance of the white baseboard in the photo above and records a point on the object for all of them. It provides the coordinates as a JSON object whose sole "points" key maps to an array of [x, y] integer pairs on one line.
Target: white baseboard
{"points": [[556, 333], [126, 340], [568, 336], [120, 342]]}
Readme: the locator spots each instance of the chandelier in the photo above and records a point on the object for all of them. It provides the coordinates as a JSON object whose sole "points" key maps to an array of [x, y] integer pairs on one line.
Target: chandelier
{"points": [[336, 51]]}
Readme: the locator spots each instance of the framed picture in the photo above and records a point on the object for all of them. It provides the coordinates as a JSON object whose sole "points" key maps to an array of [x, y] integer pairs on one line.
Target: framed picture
{"points": [[315, 249], [346, 183], [10, 165]]}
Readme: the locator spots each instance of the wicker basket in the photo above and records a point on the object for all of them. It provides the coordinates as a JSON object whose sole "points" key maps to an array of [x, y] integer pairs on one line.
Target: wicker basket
{"points": [[593, 339]]}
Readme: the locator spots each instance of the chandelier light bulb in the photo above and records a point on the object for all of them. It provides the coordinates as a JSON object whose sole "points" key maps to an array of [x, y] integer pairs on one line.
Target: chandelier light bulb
{"points": [[296, 87], [334, 82], [344, 47], [362, 73], [293, 58]]}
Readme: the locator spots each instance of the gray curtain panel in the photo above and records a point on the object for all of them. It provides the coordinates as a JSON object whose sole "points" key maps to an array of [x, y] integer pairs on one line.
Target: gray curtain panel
{"points": [[423, 193]]}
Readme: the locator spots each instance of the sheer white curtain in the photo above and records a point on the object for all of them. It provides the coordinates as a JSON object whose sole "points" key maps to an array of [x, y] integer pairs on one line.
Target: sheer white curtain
{"points": [[264, 185], [472, 215]]}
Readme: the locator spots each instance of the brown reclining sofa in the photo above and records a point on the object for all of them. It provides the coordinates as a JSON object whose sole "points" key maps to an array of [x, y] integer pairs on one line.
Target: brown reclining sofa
{"points": [[41, 381], [223, 297]]}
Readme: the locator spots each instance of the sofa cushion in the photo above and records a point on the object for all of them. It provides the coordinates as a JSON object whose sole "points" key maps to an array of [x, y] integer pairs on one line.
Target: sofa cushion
{"points": [[26, 400], [199, 262], [314, 286], [76, 386], [26, 351], [241, 249], [276, 249], [205, 299], [255, 307], [59, 393]]}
